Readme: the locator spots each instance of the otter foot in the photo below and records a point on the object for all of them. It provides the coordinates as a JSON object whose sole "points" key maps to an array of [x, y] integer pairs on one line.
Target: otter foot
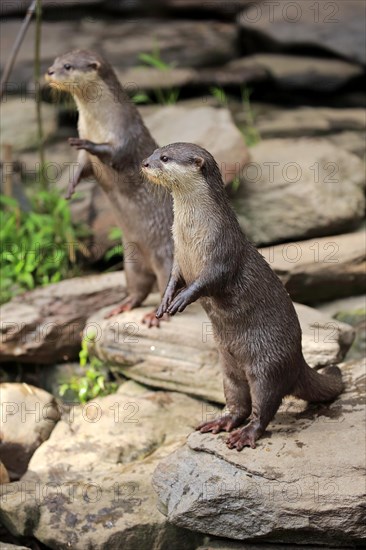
{"points": [[127, 304], [224, 424], [246, 437], [151, 320]]}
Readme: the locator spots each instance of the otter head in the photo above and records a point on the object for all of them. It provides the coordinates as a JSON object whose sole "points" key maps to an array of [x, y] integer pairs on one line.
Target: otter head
{"points": [[180, 167], [75, 72]]}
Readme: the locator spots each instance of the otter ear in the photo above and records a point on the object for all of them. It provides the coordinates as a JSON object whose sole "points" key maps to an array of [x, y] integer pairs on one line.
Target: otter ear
{"points": [[199, 162], [94, 65]]}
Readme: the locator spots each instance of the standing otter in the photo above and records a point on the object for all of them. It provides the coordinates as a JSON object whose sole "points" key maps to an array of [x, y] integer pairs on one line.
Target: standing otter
{"points": [[253, 318], [113, 141]]}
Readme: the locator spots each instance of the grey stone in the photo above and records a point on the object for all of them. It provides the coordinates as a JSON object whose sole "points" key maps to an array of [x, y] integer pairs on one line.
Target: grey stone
{"points": [[181, 355], [303, 484], [91, 480], [27, 416], [321, 269], [336, 27], [18, 123], [354, 142], [183, 43], [211, 128], [289, 72], [353, 312], [225, 544], [309, 121], [299, 188], [44, 325], [147, 78], [7, 546]]}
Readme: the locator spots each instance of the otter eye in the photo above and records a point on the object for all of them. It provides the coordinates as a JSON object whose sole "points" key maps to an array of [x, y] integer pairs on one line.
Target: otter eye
{"points": [[164, 158], [67, 66]]}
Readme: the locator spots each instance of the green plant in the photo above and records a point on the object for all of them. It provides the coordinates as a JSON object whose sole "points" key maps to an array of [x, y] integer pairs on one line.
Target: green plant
{"points": [[251, 134], [164, 97], [94, 383], [117, 250], [235, 184], [37, 247], [219, 93]]}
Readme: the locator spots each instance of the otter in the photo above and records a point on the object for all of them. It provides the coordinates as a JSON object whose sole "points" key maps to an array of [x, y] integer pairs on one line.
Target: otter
{"points": [[113, 141], [254, 321]]}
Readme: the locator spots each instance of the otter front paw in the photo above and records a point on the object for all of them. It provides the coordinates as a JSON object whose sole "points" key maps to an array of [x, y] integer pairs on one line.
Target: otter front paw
{"points": [[180, 302]]}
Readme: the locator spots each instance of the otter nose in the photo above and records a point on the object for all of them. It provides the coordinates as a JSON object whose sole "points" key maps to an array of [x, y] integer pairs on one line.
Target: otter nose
{"points": [[145, 163], [50, 71]]}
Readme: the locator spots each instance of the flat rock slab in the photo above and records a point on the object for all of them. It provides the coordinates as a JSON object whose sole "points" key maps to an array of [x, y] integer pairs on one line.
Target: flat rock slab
{"points": [[181, 355], [304, 483], [27, 417], [309, 121], [19, 126], [290, 72], [336, 27], [89, 485], [208, 127], [321, 269], [44, 325], [299, 188]]}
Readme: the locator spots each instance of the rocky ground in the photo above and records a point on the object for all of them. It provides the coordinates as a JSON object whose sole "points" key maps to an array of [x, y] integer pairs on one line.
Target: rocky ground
{"points": [[128, 470]]}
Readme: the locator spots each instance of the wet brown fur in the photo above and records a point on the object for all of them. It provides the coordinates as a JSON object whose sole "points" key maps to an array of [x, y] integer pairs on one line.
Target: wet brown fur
{"points": [[254, 321], [113, 140]]}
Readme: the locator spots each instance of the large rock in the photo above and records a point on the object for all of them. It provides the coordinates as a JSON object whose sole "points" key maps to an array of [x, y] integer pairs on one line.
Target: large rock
{"points": [[211, 128], [288, 72], [7, 546], [227, 9], [184, 43], [91, 480], [27, 417], [136, 79], [336, 27], [320, 269], [44, 325], [309, 121], [181, 355], [304, 483], [354, 142], [353, 312], [299, 188], [18, 123]]}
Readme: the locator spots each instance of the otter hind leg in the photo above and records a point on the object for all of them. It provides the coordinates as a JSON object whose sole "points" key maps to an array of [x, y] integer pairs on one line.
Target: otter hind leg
{"points": [[237, 395], [266, 399], [139, 284]]}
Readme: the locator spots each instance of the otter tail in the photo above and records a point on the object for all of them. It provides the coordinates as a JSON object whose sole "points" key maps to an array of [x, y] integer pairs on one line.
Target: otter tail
{"points": [[312, 386]]}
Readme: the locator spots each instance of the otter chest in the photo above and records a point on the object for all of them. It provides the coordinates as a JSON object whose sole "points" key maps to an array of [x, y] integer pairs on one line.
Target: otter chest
{"points": [[92, 129], [190, 243]]}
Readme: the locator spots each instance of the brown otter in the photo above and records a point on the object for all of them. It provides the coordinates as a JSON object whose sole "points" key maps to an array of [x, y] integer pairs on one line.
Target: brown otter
{"points": [[113, 141], [253, 318]]}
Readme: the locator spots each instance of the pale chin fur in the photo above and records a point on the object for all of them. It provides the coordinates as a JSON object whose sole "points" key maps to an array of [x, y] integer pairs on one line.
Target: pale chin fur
{"points": [[186, 180], [84, 86]]}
